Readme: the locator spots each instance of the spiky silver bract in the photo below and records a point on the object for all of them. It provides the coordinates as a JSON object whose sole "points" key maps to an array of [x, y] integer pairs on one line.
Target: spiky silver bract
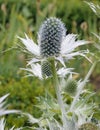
{"points": [[3, 108], [51, 35], [4, 111]]}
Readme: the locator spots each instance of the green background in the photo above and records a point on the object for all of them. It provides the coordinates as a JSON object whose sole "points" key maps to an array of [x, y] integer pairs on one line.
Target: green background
{"points": [[25, 16]]}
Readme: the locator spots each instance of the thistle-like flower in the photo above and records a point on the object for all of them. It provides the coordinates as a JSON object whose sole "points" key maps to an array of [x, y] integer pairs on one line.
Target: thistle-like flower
{"points": [[50, 37], [53, 43]]}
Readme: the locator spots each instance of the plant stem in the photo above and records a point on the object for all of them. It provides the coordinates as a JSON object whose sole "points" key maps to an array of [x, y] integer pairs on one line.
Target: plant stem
{"points": [[58, 94]]}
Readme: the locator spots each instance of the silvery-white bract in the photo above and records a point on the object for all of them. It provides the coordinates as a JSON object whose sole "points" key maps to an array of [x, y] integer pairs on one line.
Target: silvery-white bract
{"points": [[3, 108], [37, 70], [4, 111]]}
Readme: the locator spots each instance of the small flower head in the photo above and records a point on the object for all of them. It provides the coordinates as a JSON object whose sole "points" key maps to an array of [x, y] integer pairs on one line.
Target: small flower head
{"points": [[46, 68], [51, 35], [70, 86]]}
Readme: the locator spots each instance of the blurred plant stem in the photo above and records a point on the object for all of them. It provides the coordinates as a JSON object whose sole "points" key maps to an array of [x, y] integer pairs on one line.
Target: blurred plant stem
{"points": [[58, 94]]}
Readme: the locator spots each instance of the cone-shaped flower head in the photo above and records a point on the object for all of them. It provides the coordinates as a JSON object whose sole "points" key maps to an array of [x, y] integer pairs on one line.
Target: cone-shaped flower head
{"points": [[51, 35], [46, 68]]}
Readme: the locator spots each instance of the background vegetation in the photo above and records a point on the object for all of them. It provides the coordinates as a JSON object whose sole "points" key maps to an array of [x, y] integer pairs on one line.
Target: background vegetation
{"points": [[25, 16]]}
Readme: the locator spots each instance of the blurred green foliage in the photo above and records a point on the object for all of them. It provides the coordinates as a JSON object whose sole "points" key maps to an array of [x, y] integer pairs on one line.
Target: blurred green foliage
{"points": [[25, 16]]}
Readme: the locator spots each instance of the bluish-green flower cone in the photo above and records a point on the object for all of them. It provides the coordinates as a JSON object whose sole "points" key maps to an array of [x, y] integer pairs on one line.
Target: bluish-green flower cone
{"points": [[51, 35], [70, 86], [46, 68]]}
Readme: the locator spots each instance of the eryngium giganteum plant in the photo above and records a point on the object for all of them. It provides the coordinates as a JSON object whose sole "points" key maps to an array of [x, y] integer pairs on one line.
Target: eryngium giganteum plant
{"points": [[55, 47]]}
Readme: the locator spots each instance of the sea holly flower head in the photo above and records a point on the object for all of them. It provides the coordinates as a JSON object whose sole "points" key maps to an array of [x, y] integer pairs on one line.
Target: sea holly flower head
{"points": [[52, 43], [50, 37]]}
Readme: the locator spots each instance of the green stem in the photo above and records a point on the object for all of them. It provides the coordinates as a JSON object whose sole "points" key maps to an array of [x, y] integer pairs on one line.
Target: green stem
{"points": [[58, 94]]}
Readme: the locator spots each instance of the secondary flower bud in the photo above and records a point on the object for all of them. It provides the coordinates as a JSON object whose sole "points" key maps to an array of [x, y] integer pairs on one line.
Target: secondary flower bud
{"points": [[51, 34], [46, 69], [71, 86]]}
